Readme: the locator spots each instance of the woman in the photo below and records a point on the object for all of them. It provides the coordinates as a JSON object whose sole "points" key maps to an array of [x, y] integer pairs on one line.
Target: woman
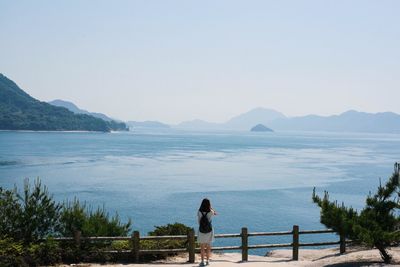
{"points": [[206, 232]]}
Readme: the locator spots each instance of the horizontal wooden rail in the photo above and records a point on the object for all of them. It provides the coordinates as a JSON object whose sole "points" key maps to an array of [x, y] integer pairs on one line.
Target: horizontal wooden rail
{"points": [[61, 239], [162, 251], [191, 248], [304, 232], [270, 233], [319, 244], [226, 235], [164, 237], [224, 248], [94, 238], [284, 245]]}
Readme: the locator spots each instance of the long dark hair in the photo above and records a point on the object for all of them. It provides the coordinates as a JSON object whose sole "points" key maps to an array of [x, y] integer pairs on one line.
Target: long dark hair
{"points": [[205, 205]]}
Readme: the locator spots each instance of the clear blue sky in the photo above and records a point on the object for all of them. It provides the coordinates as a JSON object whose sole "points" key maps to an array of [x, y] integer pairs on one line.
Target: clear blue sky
{"points": [[178, 60]]}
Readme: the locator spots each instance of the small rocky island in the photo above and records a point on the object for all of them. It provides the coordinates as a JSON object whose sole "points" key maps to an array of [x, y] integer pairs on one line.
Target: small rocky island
{"points": [[261, 128]]}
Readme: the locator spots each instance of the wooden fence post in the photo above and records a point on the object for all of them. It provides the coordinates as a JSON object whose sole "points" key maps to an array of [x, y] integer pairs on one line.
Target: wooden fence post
{"points": [[245, 244], [295, 255], [77, 238], [136, 246], [191, 245], [342, 243]]}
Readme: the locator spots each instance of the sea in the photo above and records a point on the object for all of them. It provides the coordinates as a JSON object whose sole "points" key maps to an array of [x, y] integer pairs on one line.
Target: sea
{"points": [[262, 181]]}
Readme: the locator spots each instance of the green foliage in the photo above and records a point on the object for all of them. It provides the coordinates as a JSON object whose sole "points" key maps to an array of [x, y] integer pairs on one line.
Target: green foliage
{"points": [[20, 111], [170, 229], [30, 215], [77, 216], [121, 245], [10, 210], [28, 219], [375, 225], [14, 253], [40, 213], [11, 253], [44, 253], [72, 217]]}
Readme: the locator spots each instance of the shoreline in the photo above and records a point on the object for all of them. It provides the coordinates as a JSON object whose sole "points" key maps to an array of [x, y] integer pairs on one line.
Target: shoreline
{"points": [[61, 131]]}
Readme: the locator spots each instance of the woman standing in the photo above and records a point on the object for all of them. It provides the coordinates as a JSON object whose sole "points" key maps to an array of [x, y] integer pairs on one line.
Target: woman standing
{"points": [[206, 232]]}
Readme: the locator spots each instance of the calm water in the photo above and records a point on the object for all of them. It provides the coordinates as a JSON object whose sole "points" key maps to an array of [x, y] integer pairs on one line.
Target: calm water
{"points": [[262, 181]]}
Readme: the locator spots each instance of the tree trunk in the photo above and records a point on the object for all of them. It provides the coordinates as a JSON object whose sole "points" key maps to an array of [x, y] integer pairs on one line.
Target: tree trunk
{"points": [[385, 256]]}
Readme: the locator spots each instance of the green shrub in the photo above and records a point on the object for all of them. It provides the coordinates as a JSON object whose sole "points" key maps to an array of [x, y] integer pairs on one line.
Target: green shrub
{"points": [[10, 211], [47, 252], [14, 253], [30, 215], [72, 217], [121, 245], [77, 216], [11, 253], [375, 225], [169, 229], [28, 220]]}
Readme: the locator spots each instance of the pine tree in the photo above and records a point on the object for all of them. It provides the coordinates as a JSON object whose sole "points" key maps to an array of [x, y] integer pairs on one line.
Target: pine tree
{"points": [[375, 225]]}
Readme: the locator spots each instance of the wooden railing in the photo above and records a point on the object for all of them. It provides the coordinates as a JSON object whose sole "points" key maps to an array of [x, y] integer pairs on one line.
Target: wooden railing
{"points": [[191, 249]]}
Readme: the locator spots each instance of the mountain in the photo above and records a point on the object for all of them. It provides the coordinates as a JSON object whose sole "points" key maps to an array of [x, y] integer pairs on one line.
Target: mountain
{"points": [[261, 128], [242, 122], [20, 111], [349, 121], [253, 117], [72, 107], [147, 125]]}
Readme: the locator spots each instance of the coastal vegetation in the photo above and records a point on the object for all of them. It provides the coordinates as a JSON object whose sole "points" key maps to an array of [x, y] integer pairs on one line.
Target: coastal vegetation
{"points": [[376, 225], [20, 111], [30, 221]]}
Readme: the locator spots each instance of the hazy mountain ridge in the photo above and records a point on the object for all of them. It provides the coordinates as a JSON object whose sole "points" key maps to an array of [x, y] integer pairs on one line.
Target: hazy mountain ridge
{"points": [[75, 109], [20, 111], [253, 117], [349, 121], [242, 122]]}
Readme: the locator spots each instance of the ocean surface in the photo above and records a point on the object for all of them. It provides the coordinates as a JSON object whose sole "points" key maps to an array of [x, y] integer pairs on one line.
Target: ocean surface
{"points": [[263, 181]]}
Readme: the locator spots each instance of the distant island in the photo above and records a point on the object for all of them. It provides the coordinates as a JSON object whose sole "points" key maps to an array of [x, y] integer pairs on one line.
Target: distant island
{"points": [[261, 128], [20, 111]]}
